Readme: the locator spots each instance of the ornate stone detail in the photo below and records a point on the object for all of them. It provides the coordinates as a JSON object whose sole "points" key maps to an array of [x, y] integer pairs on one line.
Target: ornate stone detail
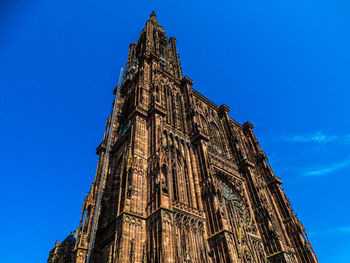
{"points": [[132, 220], [184, 182]]}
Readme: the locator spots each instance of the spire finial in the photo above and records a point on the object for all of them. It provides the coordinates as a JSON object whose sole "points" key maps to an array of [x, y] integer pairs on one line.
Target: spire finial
{"points": [[153, 14]]}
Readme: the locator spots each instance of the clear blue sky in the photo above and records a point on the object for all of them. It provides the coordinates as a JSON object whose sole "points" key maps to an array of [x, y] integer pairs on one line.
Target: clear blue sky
{"points": [[282, 65]]}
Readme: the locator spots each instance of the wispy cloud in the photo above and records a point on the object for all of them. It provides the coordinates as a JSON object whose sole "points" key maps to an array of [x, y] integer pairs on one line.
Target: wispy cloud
{"points": [[335, 231], [273, 158], [318, 137], [326, 170]]}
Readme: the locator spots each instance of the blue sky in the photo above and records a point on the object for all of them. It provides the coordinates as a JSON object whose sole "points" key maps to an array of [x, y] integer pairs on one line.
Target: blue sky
{"points": [[282, 65]]}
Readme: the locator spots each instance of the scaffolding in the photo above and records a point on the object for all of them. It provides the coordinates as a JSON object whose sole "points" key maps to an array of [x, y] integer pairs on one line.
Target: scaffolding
{"points": [[103, 176]]}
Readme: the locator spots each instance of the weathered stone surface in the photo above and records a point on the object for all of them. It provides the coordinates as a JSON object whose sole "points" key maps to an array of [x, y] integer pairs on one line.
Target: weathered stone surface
{"points": [[185, 183]]}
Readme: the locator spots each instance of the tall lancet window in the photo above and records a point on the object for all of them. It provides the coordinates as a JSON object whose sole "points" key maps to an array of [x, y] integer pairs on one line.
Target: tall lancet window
{"points": [[181, 119], [204, 124], [231, 199], [174, 178], [173, 108], [215, 138]]}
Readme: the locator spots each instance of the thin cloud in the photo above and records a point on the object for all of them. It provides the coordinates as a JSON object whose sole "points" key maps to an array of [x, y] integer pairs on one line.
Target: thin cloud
{"points": [[335, 231], [329, 169], [273, 158], [318, 137]]}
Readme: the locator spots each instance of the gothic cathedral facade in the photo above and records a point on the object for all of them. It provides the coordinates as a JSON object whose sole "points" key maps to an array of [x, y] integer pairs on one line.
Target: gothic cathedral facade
{"points": [[185, 182]]}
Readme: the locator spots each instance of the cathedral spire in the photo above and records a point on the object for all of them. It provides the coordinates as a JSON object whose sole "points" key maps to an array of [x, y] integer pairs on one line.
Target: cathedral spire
{"points": [[153, 42], [153, 14], [182, 182]]}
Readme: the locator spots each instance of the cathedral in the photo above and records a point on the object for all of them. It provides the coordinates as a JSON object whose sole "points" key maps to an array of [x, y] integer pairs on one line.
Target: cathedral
{"points": [[177, 179]]}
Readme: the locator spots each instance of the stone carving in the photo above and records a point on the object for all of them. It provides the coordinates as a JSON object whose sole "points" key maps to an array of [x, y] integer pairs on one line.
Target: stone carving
{"points": [[197, 180]]}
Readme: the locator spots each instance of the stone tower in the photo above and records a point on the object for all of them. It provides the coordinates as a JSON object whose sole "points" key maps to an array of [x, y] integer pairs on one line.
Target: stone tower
{"points": [[185, 182]]}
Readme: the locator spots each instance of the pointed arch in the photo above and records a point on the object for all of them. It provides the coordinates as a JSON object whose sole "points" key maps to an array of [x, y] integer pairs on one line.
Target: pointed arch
{"points": [[174, 177], [215, 138], [204, 124]]}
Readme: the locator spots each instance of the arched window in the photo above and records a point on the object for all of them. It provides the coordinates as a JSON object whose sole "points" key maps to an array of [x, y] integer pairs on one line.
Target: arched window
{"points": [[164, 179], [230, 196], [215, 138], [180, 114], [204, 124], [174, 177], [173, 108]]}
